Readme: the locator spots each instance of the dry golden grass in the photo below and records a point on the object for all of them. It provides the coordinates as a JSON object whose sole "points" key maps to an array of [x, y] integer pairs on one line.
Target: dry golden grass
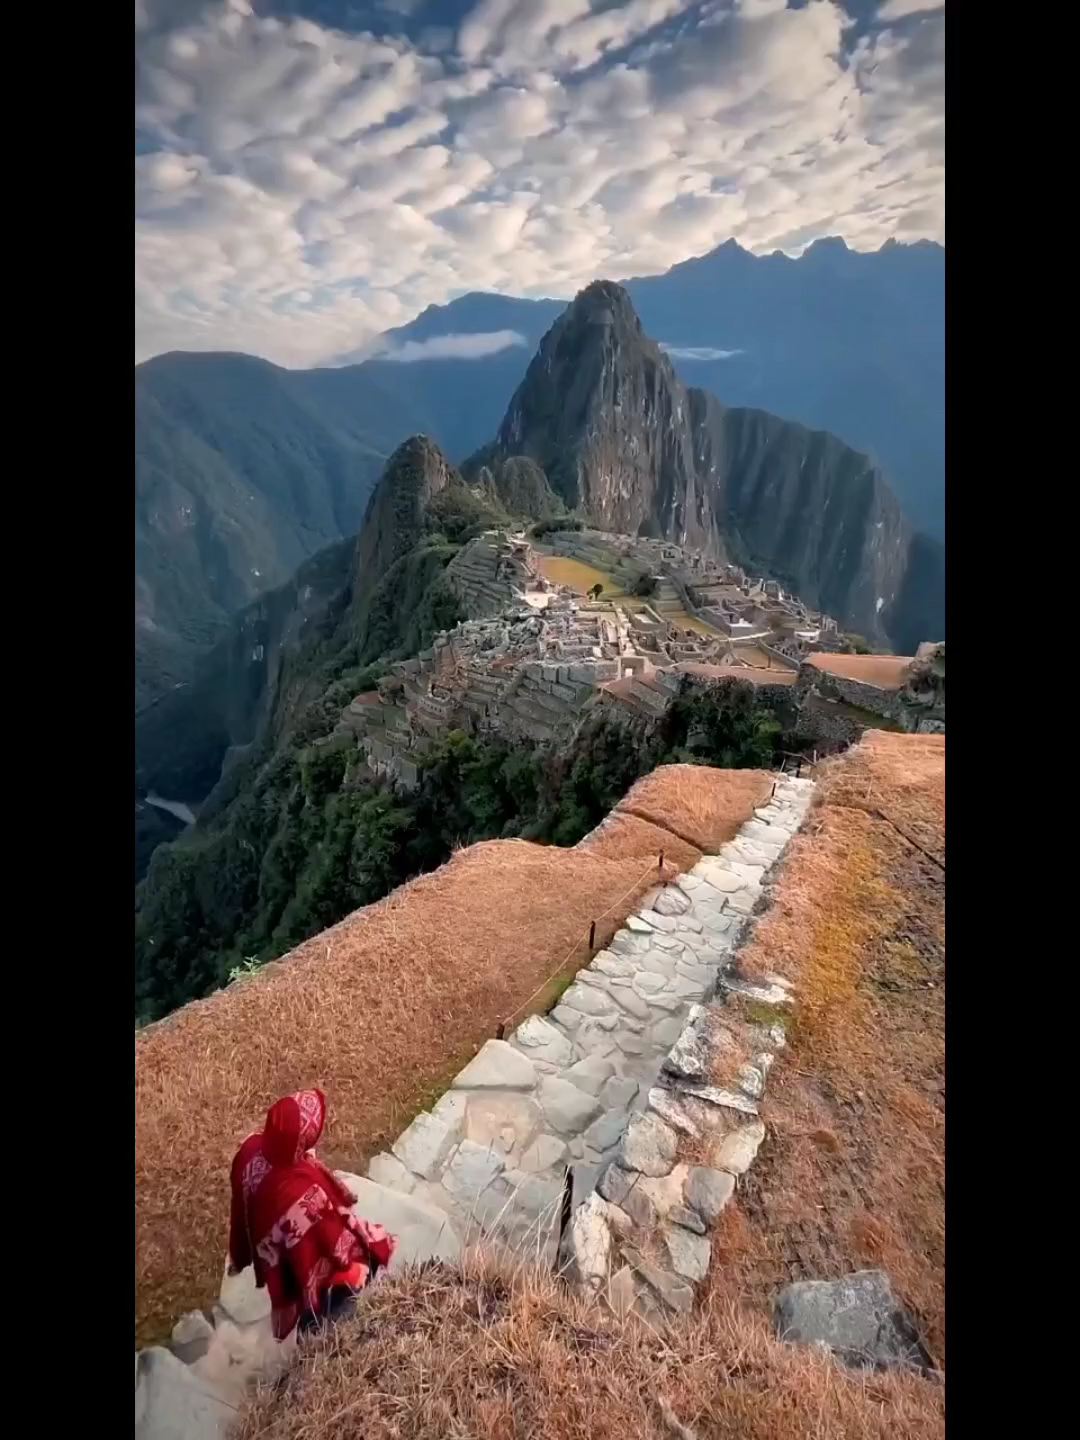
{"points": [[624, 835], [380, 1011], [888, 672], [852, 1172], [704, 807], [477, 1351]]}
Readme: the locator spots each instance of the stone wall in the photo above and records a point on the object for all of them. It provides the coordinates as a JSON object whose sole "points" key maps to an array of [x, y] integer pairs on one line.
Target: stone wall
{"points": [[642, 1238]]}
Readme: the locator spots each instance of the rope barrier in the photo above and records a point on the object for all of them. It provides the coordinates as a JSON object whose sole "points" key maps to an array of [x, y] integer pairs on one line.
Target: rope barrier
{"points": [[506, 1026]]}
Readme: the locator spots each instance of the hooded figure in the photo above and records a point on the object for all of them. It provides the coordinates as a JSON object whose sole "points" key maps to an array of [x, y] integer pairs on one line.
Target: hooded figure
{"points": [[292, 1219]]}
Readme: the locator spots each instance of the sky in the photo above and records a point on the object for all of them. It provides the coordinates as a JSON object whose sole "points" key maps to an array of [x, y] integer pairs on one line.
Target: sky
{"points": [[310, 173]]}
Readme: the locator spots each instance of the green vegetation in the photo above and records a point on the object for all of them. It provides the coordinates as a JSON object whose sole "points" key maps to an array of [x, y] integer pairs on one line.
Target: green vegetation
{"points": [[644, 585], [312, 835], [459, 513], [559, 524]]}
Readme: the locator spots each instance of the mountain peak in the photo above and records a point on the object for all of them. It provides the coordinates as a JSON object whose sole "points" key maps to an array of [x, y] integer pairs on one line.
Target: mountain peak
{"points": [[603, 302], [417, 450], [415, 473]]}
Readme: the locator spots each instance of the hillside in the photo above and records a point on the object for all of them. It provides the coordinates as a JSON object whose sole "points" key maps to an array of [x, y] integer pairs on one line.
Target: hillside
{"points": [[243, 470]]}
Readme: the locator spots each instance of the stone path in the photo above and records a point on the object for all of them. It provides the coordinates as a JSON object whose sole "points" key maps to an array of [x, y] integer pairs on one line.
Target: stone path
{"points": [[493, 1153]]}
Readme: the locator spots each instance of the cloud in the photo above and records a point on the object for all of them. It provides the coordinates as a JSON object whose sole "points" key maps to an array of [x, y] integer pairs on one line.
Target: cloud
{"points": [[901, 9], [453, 347], [300, 189], [699, 352]]}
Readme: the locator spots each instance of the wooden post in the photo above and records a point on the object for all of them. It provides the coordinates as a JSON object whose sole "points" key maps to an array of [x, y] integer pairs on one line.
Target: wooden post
{"points": [[565, 1212], [661, 867], [592, 935], [501, 1030]]}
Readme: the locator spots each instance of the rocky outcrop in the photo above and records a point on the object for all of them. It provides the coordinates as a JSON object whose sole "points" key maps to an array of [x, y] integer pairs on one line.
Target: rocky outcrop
{"points": [[603, 413], [415, 473], [520, 487]]}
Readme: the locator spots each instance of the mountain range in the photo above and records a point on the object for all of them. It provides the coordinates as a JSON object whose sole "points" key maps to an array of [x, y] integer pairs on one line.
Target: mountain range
{"points": [[601, 424], [623, 441], [244, 469]]}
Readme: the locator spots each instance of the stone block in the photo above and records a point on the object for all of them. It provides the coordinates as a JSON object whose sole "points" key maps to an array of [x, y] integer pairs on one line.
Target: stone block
{"points": [[689, 1253], [621, 1292], [618, 1093], [736, 1151], [590, 1242], [497, 1066], [387, 1169], [241, 1300], [625, 1189], [664, 923], [470, 1170], [716, 1095], [543, 1041], [671, 901], [423, 1146], [587, 999], [450, 1109], [613, 965], [172, 1403], [688, 1219], [505, 1123], [606, 1129], [673, 1290], [648, 1145], [857, 1317], [707, 1191], [629, 1000], [567, 1109], [191, 1336], [543, 1153], [591, 1075], [639, 925]]}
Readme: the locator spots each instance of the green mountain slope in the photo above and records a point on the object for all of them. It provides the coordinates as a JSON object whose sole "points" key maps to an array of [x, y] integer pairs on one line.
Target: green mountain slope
{"points": [[242, 470]]}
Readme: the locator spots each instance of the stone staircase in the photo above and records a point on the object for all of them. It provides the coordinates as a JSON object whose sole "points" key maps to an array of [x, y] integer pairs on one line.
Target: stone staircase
{"points": [[557, 1094]]}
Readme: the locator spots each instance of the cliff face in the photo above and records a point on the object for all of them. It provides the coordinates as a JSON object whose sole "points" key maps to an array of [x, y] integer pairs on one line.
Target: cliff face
{"points": [[602, 411], [415, 473]]}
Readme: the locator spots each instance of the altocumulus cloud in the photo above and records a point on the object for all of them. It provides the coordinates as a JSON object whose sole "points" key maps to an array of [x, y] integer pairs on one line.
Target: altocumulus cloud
{"points": [[300, 188]]}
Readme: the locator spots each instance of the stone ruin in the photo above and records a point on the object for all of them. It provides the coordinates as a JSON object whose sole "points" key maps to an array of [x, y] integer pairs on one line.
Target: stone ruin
{"points": [[534, 654]]}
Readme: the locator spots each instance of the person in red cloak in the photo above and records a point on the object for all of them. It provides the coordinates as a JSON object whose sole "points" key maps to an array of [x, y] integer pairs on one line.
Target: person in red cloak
{"points": [[292, 1220]]}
